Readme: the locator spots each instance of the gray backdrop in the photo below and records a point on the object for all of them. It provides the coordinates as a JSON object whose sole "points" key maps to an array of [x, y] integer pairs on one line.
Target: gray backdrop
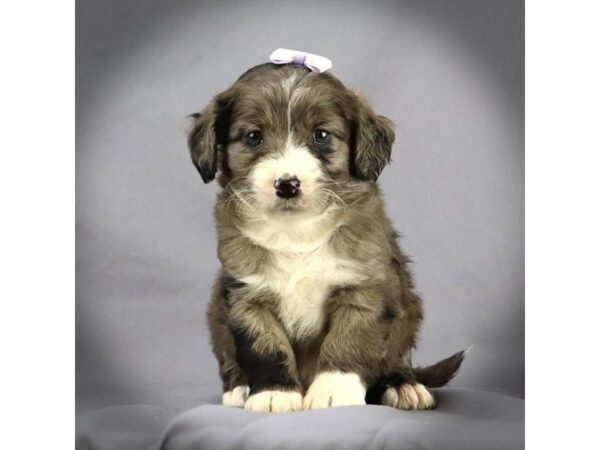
{"points": [[448, 73]]}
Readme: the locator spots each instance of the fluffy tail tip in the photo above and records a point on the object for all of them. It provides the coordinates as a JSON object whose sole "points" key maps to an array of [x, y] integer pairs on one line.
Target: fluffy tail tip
{"points": [[442, 372]]}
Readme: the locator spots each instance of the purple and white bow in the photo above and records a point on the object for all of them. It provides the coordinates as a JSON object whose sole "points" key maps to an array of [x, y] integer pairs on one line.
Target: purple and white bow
{"points": [[315, 63]]}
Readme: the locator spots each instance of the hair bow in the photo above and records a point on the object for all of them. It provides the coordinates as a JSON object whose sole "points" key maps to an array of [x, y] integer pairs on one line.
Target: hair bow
{"points": [[315, 63]]}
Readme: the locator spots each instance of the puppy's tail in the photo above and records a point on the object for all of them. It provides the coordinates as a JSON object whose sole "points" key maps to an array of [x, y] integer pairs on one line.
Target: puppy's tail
{"points": [[442, 372]]}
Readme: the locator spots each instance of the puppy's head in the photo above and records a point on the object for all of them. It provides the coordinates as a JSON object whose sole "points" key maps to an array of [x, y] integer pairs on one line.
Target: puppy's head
{"points": [[287, 140]]}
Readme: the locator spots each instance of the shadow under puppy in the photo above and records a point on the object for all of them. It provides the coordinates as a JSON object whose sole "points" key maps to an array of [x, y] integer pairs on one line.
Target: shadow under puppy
{"points": [[314, 305]]}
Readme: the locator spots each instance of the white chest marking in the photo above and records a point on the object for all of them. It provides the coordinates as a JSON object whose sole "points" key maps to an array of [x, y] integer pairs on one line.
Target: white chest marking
{"points": [[303, 281], [303, 269]]}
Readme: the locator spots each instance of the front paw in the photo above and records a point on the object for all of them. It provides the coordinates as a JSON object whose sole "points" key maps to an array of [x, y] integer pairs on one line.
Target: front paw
{"points": [[274, 401], [335, 389]]}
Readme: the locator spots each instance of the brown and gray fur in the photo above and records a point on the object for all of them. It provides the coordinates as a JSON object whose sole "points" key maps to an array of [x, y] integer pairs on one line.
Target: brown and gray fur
{"points": [[316, 283]]}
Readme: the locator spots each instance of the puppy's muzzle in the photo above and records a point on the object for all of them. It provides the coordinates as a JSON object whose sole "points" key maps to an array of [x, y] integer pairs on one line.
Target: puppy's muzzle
{"points": [[287, 186]]}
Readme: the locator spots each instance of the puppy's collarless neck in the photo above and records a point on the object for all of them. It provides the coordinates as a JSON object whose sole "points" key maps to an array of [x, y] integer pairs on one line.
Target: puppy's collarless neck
{"points": [[291, 234]]}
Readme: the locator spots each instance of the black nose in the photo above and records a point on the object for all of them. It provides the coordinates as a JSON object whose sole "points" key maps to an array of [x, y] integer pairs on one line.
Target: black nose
{"points": [[287, 186]]}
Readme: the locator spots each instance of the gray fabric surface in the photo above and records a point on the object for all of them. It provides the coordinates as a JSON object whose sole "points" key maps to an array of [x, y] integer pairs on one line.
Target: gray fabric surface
{"points": [[128, 427], [465, 419]]}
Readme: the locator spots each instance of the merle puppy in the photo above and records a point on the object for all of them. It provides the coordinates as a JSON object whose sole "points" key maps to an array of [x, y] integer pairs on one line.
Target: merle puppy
{"points": [[314, 305]]}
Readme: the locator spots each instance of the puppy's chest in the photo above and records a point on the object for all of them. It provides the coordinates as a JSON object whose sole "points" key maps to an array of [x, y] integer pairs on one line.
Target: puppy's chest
{"points": [[303, 282]]}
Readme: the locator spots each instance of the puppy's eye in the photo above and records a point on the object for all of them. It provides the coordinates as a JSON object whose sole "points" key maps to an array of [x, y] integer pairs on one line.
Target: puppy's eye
{"points": [[321, 137], [253, 138]]}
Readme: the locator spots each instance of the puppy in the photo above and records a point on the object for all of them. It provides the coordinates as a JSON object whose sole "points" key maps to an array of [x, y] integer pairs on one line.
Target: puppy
{"points": [[314, 305]]}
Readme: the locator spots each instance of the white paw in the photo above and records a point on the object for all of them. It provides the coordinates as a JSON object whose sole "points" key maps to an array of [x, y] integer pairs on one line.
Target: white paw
{"points": [[335, 389], [236, 397], [408, 396], [275, 401]]}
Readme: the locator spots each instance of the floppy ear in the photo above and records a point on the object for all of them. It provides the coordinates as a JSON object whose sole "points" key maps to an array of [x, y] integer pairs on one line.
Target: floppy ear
{"points": [[208, 136], [373, 140]]}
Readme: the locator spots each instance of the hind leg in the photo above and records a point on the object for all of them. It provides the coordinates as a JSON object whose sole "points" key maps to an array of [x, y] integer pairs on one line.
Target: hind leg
{"points": [[401, 390], [408, 396], [237, 396], [235, 385]]}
